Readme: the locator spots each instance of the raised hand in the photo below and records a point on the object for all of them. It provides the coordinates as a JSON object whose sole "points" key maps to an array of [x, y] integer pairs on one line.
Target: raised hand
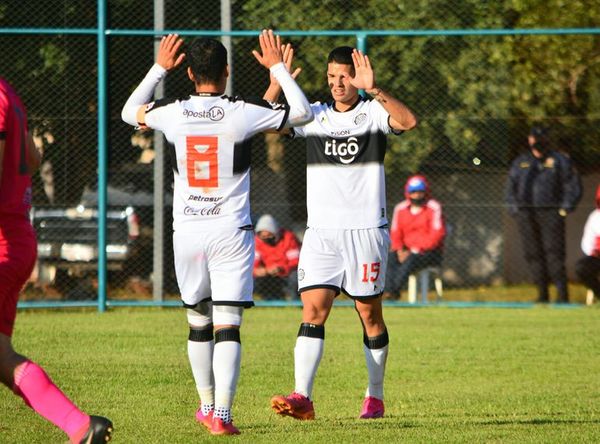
{"points": [[270, 49], [288, 58], [168, 52], [364, 77]]}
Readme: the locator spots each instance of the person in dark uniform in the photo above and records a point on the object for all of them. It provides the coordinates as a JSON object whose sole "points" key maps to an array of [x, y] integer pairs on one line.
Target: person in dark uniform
{"points": [[543, 188]]}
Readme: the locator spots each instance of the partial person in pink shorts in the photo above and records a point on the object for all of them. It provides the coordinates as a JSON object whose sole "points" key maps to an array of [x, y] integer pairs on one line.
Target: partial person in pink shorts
{"points": [[18, 248]]}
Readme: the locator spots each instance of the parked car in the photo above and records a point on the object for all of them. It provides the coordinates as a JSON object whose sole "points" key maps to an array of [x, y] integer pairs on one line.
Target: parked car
{"points": [[68, 237]]}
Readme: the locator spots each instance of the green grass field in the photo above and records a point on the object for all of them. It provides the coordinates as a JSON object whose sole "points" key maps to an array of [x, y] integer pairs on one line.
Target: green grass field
{"points": [[453, 375]]}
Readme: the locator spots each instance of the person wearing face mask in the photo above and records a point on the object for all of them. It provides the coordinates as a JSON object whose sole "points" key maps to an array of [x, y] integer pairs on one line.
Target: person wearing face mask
{"points": [[275, 260], [543, 187], [417, 235]]}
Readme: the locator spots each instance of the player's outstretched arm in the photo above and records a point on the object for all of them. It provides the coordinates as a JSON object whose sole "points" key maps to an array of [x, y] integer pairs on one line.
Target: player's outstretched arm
{"points": [[401, 117], [271, 57], [167, 58]]}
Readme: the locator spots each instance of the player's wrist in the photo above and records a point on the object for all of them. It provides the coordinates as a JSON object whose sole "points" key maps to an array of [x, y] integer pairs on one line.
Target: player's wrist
{"points": [[158, 70], [374, 91], [277, 67]]}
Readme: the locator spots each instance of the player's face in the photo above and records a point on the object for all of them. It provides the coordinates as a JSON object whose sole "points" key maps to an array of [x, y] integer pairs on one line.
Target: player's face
{"points": [[338, 79]]}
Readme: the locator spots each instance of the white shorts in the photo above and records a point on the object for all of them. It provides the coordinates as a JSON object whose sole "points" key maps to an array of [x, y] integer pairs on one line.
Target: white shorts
{"points": [[215, 265], [353, 261]]}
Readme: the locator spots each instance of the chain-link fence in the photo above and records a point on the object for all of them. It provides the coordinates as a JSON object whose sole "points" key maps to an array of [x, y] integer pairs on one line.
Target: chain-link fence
{"points": [[478, 75]]}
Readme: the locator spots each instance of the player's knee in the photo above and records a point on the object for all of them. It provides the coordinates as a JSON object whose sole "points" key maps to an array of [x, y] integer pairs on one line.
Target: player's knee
{"points": [[227, 315], [200, 316]]}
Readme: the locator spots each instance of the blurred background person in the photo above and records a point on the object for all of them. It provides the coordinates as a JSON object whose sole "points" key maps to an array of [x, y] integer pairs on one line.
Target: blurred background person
{"points": [[275, 260], [543, 188], [417, 235], [588, 267]]}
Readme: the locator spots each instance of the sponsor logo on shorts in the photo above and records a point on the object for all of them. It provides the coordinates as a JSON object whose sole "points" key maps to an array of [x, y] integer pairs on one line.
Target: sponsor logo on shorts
{"points": [[215, 114], [300, 274], [344, 150]]}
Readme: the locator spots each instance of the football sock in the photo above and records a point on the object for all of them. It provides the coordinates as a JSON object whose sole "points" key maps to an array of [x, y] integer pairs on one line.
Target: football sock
{"points": [[307, 356], [39, 392], [200, 354], [226, 368], [224, 413], [207, 408], [376, 351]]}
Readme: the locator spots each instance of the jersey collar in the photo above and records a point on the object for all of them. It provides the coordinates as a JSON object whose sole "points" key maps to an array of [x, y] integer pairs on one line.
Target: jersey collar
{"points": [[354, 105]]}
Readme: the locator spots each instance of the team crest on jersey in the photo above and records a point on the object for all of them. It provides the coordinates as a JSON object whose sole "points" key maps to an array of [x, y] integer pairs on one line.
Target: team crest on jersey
{"points": [[360, 118]]}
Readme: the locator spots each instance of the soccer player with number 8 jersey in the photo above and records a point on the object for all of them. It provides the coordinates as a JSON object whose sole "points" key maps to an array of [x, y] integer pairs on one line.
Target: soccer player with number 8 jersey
{"points": [[213, 240], [346, 244]]}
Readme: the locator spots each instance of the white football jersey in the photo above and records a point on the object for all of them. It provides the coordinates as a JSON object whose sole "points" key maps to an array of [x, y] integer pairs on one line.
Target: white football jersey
{"points": [[210, 135], [345, 178]]}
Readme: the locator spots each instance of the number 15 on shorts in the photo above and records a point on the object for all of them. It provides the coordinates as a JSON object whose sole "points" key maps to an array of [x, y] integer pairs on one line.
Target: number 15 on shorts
{"points": [[370, 272]]}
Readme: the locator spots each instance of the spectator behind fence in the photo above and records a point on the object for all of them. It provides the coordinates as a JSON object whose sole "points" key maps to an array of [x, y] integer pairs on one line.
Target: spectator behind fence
{"points": [[19, 158], [543, 187], [417, 235], [588, 267], [275, 260]]}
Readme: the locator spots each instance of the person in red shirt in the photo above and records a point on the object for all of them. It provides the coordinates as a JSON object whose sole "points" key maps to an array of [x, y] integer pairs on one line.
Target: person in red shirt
{"points": [[588, 267], [275, 260], [417, 235], [19, 158]]}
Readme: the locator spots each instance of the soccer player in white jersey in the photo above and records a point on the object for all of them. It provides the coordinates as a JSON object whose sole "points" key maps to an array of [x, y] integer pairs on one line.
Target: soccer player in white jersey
{"points": [[213, 240], [346, 244]]}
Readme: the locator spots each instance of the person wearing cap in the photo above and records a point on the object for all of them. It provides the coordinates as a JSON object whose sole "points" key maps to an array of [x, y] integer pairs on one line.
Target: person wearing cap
{"points": [[543, 187], [275, 259], [417, 235], [588, 267]]}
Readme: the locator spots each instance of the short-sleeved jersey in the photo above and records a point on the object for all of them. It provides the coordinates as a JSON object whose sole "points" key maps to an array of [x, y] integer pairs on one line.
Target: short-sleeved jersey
{"points": [[15, 187], [345, 177], [210, 137]]}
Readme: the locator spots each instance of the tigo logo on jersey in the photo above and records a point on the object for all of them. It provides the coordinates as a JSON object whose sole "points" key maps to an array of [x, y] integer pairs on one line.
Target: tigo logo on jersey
{"points": [[342, 149], [215, 114]]}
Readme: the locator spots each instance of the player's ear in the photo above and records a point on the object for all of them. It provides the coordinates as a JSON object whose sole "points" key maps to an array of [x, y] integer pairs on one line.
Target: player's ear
{"points": [[226, 71], [190, 74]]}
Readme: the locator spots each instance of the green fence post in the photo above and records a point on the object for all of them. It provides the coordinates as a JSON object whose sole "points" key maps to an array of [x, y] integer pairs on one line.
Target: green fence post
{"points": [[102, 156]]}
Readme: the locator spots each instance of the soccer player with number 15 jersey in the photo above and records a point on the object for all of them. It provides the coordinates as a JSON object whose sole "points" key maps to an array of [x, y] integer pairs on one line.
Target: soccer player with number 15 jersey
{"points": [[346, 244]]}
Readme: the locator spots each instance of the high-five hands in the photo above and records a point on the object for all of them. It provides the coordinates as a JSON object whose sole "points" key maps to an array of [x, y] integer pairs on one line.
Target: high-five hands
{"points": [[270, 49]]}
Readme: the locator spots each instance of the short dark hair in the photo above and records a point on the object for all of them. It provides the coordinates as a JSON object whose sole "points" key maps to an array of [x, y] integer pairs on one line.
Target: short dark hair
{"points": [[341, 55], [208, 59]]}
